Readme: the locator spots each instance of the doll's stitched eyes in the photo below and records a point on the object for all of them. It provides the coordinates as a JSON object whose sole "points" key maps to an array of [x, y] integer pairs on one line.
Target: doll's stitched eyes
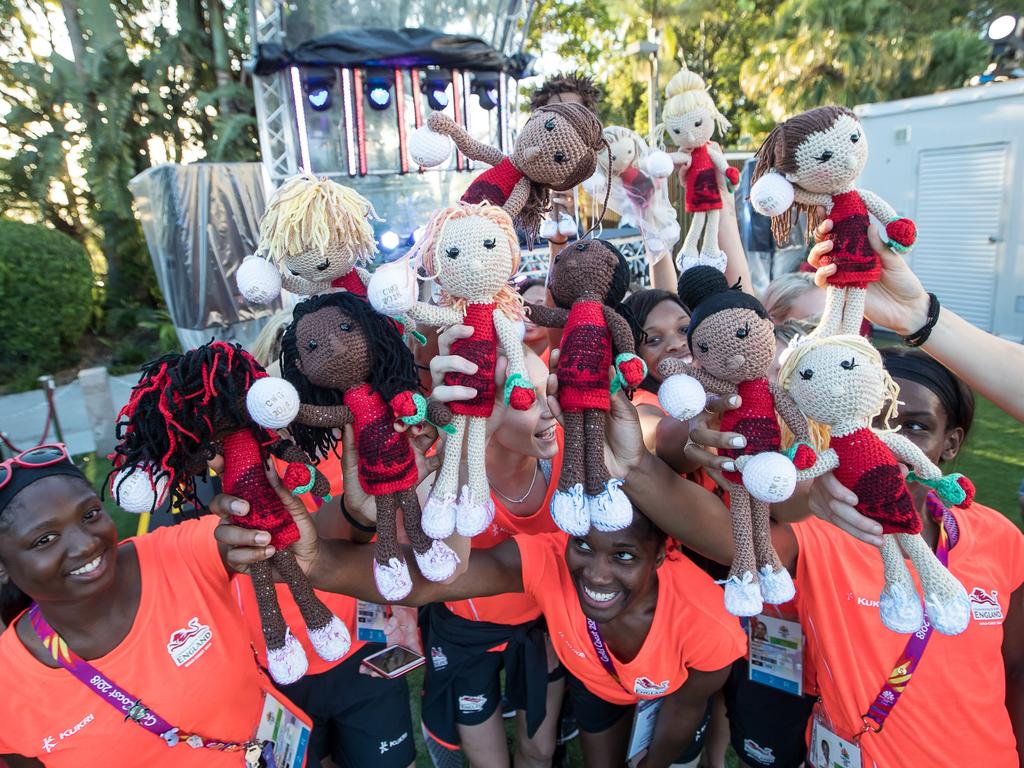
{"points": [[807, 374], [703, 347], [698, 124], [855, 137], [311, 345], [559, 157], [550, 124], [581, 246], [324, 265], [742, 333], [675, 130], [452, 252], [825, 156], [489, 244], [346, 327], [849, 365]]}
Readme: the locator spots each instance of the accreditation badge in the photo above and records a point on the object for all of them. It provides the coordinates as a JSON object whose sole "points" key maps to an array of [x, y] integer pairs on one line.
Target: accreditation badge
{"points": [[776, 653], [827, 750], [283, 732]]}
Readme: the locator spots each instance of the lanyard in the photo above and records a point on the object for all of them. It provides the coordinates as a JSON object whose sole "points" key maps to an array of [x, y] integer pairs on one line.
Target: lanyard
{"points": [[130, 705], [601, 649], [899, 678]]}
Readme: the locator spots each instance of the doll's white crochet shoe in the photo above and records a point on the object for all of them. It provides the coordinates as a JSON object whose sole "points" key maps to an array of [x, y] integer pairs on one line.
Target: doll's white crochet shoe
{"points": [[776, 586], [393, 580], [437, 563], [439, 513], [473, 515], [950, 615], [900, 608], [287, 663], [548, 229], [742, 595], [569, 511], [332, 640], [610, 510]]}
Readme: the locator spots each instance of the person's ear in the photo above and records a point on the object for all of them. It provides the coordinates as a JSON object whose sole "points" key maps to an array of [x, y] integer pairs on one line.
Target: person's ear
{"points": [[4, 578], [659, 558], [951, 445]]}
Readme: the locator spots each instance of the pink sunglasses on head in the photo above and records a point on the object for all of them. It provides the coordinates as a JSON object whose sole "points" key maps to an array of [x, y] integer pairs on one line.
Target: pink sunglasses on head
{"points": [[40, 456]]}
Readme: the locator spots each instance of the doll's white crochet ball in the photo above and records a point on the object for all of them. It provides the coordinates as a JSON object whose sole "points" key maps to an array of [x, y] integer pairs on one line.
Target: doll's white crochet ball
{"points": [[258, 280], [429, 148], [771, 195], [272, 402], [659, 164], [134, 491], [682, 396], [770, 477]]}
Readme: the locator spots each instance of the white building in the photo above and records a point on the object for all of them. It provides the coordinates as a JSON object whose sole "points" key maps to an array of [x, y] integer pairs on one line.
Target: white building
{"points": [[954, 163]]}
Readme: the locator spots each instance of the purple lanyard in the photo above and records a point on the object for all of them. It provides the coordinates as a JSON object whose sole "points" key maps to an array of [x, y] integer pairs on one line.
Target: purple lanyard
{"points": [[130, 705], [601, 649], [899, 678]]}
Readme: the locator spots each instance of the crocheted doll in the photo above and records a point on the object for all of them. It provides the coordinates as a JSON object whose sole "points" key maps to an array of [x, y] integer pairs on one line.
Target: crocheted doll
{"points": [[839, 381], [732, 340], [557, 149], [349, 366], [689, 119], [314, 236], [812, 160], [189, 407], [638, 195], [588, 280], [471, 251]]}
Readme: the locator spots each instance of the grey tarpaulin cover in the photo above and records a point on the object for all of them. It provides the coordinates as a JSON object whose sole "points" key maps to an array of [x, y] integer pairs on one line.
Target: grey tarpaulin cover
{"points": [[200, 221]]}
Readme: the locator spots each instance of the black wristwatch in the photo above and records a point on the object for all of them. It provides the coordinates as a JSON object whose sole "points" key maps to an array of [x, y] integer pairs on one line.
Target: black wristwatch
{"points": [[920, 336]]}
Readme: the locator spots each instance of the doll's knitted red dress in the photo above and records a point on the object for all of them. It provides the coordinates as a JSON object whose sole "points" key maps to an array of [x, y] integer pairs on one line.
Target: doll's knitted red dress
{"points": [[493, 185], [857, 263], [868, 468], [350, 282], [386, 460], [245, 477], [702, 183], [586, 354], [755, 420], [480, 348]]}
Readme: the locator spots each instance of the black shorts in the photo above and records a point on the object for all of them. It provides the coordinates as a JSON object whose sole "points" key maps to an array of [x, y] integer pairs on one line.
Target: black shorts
{"points": [[767, 726], [594, 714], [358, 720]]}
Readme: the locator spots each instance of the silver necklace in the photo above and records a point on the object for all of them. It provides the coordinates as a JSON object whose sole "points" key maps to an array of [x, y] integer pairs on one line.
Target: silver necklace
{"points": [[521, 499]]}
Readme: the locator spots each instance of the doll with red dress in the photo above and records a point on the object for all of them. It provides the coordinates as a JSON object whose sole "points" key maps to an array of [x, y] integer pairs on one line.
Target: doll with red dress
{"points": [[588, 281], [188, 408], [839, 381], [813, 160]]}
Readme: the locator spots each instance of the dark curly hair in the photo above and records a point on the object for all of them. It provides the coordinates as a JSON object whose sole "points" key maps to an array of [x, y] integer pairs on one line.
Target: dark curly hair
{"points": [[392, 366], [183, 405], [568, 82]]}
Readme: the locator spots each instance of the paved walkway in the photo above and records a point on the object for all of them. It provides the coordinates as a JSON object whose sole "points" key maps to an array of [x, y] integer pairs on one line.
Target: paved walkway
{"points": [[22, 416]]}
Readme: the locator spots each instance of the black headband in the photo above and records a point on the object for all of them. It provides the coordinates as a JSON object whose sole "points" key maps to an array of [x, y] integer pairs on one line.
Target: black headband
{"points": [[23, 477], [928, 374]]}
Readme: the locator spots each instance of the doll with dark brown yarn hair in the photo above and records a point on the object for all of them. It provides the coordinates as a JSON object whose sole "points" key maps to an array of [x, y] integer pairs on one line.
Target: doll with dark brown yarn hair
{"points": [[186, 409], [588, 281], [732, 341], [556, 150], [349, 366], [813, 160]]}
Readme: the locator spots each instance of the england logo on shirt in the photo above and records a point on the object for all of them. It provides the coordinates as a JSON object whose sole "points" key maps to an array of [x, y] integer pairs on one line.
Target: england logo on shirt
{"points": [[757, 753], [644, 686], [985, 607], [189, 643], [438, 657]]}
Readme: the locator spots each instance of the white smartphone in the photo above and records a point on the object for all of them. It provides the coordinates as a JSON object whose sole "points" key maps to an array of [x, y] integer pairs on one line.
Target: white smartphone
{"points": [[394, 661]]}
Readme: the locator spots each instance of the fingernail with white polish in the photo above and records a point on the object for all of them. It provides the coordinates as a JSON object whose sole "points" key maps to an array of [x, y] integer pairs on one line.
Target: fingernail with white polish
{"points": [[734, 400], [738, 442], [729, 466]]}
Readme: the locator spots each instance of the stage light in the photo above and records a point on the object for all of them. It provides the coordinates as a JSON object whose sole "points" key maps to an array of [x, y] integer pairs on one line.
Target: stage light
{"points": [[318, 89], [486, 89], [1002, 28], [417, 234], [378, 92], [437, 90], [389, 240], [319, 98]]}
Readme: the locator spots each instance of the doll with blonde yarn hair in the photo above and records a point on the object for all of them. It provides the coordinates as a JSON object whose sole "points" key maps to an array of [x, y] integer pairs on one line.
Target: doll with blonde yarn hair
{"points": [[639, 197], [813, 160], [471, 251], [689, 119], [840, 381], [314, 237]]}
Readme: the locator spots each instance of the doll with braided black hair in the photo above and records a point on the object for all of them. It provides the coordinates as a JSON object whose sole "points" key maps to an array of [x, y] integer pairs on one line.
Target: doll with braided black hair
{"points": [[557, 149], [349, 366], [588, 281], [186, 409]]}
